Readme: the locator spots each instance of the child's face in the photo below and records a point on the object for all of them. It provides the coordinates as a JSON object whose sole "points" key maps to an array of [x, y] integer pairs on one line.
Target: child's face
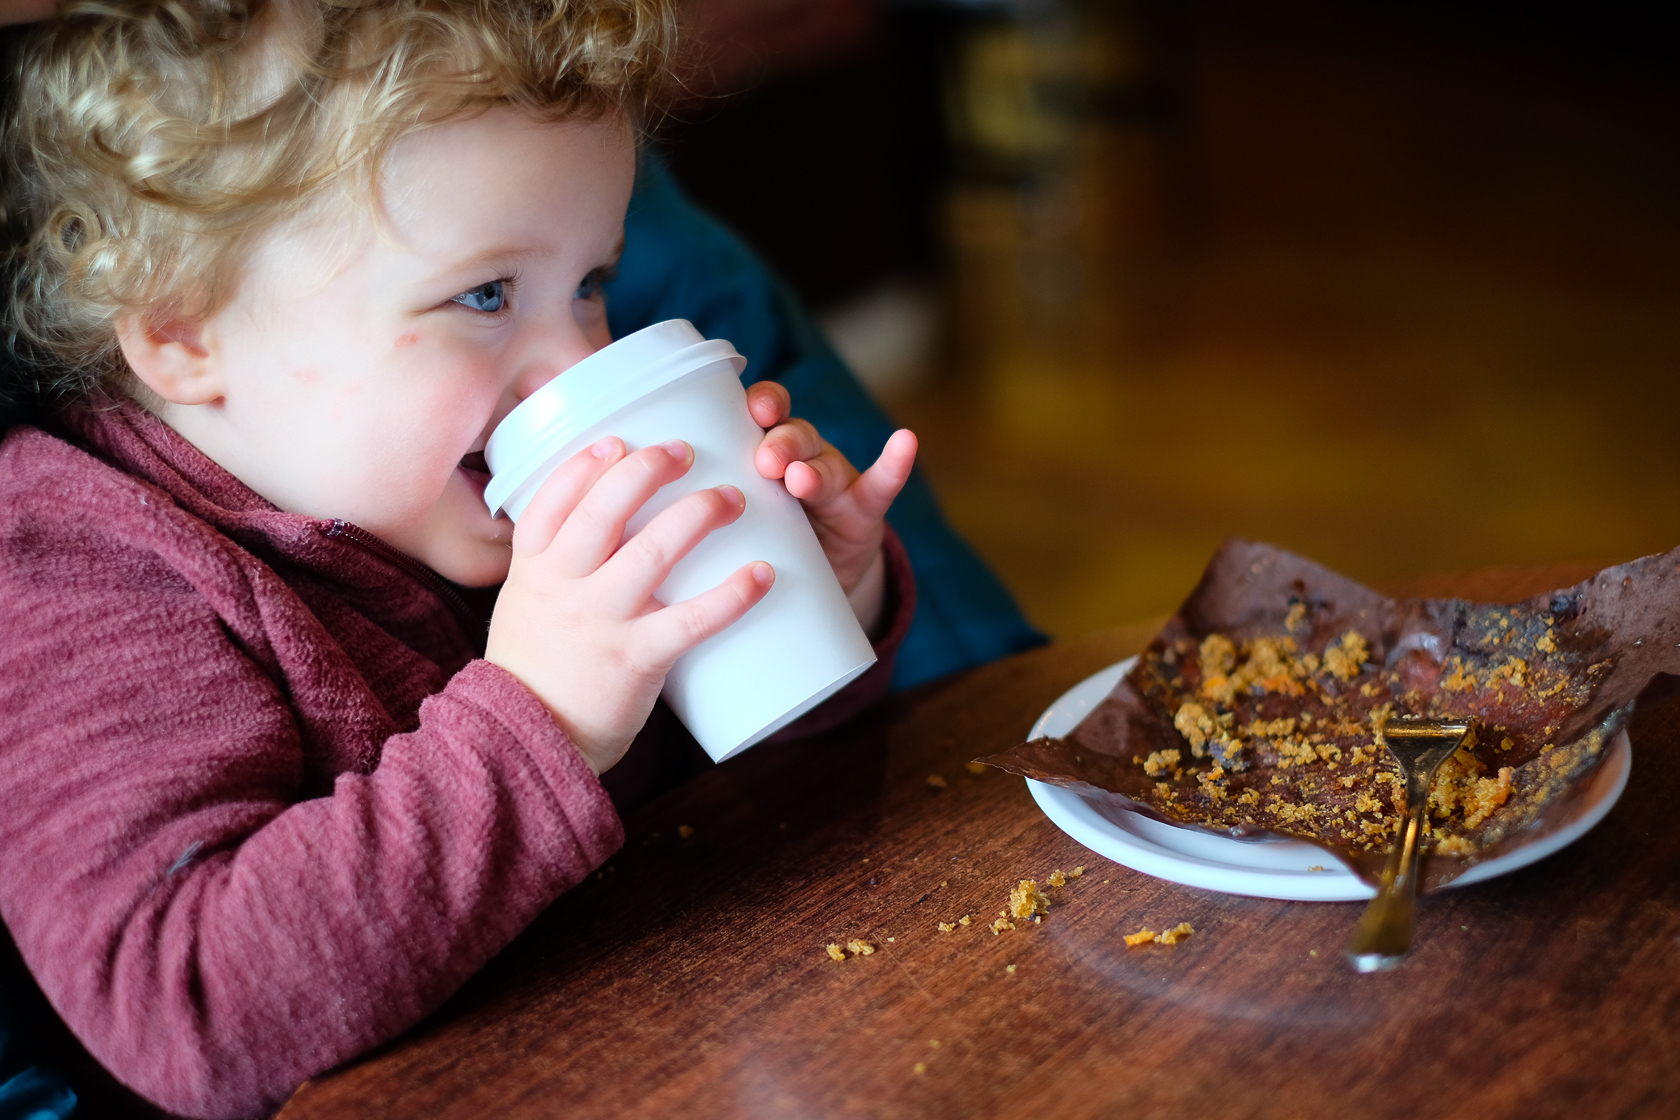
{"points": [[360, 369]]}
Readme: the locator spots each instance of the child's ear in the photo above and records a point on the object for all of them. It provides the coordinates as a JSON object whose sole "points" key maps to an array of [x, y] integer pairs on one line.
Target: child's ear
{"points": [[171, 356]]}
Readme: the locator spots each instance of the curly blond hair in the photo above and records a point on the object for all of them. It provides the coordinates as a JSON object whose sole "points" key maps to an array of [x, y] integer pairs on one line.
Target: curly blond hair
{"points": [[151, 141]]}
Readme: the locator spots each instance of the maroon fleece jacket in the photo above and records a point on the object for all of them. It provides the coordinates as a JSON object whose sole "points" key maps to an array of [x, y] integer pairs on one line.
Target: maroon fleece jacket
{"points": [[260, 807]]}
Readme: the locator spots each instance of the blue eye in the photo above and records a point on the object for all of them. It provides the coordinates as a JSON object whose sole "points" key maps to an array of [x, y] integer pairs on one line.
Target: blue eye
{"points": [[594, 285], [490, 298]]}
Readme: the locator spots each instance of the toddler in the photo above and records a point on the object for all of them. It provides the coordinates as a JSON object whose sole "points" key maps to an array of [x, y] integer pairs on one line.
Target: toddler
{"points": [[269, 789]]}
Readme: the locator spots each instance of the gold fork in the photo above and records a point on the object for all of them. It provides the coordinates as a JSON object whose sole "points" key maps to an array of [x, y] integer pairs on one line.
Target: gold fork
{"points": [[1384, 935]]}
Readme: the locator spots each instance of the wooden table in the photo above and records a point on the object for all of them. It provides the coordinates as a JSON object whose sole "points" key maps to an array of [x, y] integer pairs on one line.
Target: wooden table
{"points": [[690, 978]]}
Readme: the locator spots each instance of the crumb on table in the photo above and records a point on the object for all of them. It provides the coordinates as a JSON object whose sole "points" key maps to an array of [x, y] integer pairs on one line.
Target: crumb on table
{"points": [[835, 952], [947, 927], [1026, 901], [863, 948], [1176, 934], [1133, 940], [975, 768], [936, 781], [1000, 925]]}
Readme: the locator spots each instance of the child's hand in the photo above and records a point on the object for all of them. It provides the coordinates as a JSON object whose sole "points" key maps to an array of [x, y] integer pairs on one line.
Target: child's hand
{"points": [[845, 507], [576, 620]]}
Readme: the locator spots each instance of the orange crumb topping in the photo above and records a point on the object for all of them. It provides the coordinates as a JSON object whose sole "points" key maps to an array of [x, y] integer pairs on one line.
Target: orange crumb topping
{"points": [[1176, 934], [1027, 900]]}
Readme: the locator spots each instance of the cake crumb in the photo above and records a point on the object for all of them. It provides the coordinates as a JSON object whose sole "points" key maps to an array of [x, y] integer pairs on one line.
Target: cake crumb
{"points": [[1009, 968], [1000, 925], [835, 952], [933, 1042], [1133, 940], [936, 781], [1316, 867], [1057, 879], [975, 768], [919, 1068], [965, 919], [685, 831], [1176, 934], [863, 948], [1078, 871], [947, 927], [1027, 900], [1344, 660]]}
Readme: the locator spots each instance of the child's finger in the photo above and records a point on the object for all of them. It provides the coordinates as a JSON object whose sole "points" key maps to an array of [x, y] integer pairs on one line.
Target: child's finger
{"points": [[876, 487], [821, 478], [637, 569], [769, 403], [595, 528], [559, 495], [785, 444], [669, 633]]}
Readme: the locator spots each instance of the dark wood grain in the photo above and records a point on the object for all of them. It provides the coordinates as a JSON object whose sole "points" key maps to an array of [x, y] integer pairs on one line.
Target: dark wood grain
{"points": [[690, 978]]}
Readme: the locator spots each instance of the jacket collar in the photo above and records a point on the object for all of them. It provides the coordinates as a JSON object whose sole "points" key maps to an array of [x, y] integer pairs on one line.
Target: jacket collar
{"points": [[136, 441]]}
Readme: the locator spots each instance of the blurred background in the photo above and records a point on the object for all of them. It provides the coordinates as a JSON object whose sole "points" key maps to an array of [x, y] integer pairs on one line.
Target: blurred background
{"points": [[1395, 285]]}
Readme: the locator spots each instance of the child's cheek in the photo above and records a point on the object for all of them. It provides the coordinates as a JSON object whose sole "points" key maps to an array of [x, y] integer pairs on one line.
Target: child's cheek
{"points": [[345, 403], [444, 368], [462, 388]]}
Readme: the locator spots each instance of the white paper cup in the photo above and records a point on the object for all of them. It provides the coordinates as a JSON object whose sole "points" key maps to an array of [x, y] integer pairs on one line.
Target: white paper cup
{"points": [[801, 644]]}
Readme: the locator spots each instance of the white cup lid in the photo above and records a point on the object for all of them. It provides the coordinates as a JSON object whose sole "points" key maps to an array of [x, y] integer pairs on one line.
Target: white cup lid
{"points": [[589, 392]]}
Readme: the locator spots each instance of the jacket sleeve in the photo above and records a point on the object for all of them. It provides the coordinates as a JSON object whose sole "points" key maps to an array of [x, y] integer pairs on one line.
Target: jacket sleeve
{"points": [[211, 936]]}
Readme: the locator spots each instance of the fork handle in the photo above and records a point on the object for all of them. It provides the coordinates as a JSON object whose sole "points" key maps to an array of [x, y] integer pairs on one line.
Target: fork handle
{"points": [[1384, 934]]}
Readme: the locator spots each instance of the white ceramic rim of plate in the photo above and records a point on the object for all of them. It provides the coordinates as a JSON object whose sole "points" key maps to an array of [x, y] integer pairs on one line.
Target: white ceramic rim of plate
{"points": [[1268, 868]]}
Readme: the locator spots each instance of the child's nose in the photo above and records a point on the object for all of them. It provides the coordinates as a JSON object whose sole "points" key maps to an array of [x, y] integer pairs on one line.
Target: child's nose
{"points": [[547, 356]]}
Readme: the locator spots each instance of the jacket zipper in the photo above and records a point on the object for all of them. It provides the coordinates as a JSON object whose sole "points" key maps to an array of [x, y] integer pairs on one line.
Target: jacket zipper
{"points": [[423, 575]]}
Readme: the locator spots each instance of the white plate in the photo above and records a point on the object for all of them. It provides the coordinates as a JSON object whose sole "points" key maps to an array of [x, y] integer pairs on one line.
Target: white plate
{"points": [[1267, 868]]}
